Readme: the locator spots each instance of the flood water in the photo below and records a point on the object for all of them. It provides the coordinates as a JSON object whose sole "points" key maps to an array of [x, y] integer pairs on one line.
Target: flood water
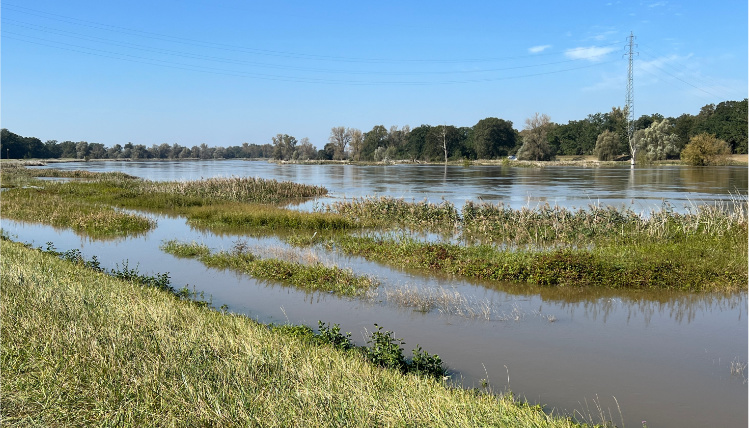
{"points": [[664, 358]]}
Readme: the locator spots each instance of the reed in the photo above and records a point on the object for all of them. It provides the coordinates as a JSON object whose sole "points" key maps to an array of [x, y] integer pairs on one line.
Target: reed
{"points": [[690, 265], [387, 210]]}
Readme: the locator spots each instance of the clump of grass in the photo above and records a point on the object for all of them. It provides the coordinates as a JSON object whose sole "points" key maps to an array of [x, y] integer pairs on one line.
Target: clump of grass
{"points": [[91, 219], [312, 277], [684, 265], [388, 210], [236, 189], [83, 348], [267, 217], [547, 225]]}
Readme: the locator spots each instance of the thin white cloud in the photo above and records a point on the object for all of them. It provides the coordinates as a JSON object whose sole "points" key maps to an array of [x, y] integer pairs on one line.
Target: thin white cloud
{"points": [[593, 53], [658, 4], [537, 49]]}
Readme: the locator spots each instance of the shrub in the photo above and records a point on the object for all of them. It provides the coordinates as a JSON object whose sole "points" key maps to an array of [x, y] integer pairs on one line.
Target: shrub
{"points": [[705, 149]]}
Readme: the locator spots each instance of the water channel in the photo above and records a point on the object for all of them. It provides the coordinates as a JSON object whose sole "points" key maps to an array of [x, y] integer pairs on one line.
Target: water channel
{"points": [[659, 357]]}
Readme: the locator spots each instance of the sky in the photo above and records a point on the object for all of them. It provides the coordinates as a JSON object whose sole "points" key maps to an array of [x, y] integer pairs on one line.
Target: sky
{"points": [[225, 72]]}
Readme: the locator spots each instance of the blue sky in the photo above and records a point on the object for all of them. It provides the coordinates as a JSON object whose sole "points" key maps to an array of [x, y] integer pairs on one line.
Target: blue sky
{"points": [[228, 72]]}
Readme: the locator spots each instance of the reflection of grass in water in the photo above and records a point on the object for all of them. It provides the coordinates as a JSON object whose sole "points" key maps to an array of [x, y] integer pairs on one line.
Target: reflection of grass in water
{"points": [[453, 303], [313, 277]]}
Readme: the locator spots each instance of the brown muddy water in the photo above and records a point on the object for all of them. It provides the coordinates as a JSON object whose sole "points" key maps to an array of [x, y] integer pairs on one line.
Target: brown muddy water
{"points": [[670, 359]]}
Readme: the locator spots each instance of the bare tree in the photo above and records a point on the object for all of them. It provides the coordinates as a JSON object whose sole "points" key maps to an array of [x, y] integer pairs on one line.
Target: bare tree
{"points": [[340, 137]]}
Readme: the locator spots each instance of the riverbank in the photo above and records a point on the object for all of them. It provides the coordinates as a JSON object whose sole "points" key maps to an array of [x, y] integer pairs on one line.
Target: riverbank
{"points": [[83, 348], [584, 161]]}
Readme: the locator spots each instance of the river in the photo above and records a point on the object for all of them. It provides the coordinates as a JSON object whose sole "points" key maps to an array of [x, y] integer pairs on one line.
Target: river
{"points": [[661, 357]]}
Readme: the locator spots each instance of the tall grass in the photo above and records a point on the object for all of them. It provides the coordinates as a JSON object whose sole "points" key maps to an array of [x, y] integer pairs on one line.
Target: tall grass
{"points": [[95, 220], [80, 348], [388, 210], [698, 264], [312, 277]]}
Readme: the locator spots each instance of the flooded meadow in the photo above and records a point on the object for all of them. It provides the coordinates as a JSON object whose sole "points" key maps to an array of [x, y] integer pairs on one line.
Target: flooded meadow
{"points": [[668, 358]]}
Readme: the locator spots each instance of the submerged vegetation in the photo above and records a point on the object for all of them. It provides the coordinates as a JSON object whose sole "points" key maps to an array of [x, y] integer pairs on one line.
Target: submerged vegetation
{"points": [[313, 277], [84, 348], [702, 249]]}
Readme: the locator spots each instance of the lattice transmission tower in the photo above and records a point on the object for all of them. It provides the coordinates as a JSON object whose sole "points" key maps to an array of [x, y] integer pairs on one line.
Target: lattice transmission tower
{"points": [[630, 103]]}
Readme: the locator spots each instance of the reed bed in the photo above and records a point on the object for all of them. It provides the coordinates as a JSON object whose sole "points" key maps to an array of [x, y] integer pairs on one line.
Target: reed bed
{"points": [[81, 348], [388, 210], [238, 217], [236, 189], [706, 264], [548, 226], [311, 277]]}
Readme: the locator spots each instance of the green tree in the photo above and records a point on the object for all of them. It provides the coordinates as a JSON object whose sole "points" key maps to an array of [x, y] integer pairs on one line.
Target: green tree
{"points": [[705, 149], [373, 139], [657, 141], [535, 139], [493, 137], [284, 146], [607, 146]]}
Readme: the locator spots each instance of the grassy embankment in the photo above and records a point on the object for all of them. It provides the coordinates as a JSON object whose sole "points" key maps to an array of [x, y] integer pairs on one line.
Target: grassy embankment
{"points": [[83, 348]]}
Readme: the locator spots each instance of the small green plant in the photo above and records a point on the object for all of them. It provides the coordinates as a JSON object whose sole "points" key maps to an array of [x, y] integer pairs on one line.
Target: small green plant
{"points": [[385, 350], [426, 364], [333, 336]]}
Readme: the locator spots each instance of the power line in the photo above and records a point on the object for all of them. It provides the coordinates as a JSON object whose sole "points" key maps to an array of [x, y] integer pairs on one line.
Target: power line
{"points": [[260, 51]]}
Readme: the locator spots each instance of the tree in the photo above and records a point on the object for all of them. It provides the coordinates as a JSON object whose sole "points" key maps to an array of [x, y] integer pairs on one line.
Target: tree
{"points": [[535, 139], [284, 146], [357, 140], [493, 137], [657, 141], [705, 149], [607, 146], [81, 150], [97, 151], [373, 139], [340, 137], [306, 150]]}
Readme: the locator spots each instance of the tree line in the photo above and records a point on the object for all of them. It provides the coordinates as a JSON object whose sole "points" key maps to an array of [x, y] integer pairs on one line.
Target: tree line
{"points": [[602, 134]]}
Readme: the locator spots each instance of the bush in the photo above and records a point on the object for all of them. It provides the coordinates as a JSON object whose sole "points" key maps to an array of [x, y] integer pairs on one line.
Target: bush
{"points": [[705, 149]]}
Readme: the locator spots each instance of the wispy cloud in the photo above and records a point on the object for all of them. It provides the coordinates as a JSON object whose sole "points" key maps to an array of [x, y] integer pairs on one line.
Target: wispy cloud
{"points": [[537, 49], [658, 4], [592, 53]]}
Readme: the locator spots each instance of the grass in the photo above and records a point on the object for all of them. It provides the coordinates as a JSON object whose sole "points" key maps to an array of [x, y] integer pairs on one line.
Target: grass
{"points": [[703, 263], [92, 219], [220, 203], [312, 277], [83, 348]]}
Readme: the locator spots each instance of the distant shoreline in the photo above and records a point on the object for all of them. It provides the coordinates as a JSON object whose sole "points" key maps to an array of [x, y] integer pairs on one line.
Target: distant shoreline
{"points": [[586, 161]]}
